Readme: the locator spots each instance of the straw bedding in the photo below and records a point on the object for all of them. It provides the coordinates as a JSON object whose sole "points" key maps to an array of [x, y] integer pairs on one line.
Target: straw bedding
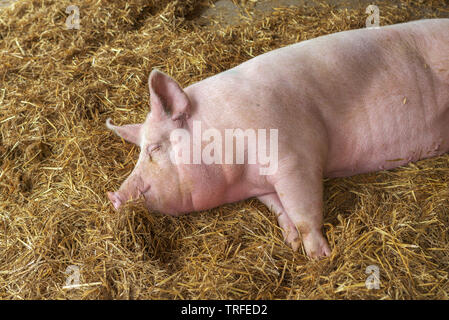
{"points": [[57, 160]]}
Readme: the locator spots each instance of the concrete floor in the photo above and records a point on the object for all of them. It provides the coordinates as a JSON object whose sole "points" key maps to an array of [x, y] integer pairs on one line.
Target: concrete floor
{"points": [[228, 13], [5, 3]]}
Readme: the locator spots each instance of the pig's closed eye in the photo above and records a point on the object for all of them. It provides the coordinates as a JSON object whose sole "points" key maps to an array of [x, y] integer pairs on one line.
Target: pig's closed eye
{"points": [[153, 147]]}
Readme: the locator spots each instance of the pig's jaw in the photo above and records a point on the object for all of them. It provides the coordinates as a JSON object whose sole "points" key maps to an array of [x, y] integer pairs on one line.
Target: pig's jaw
{"points": [[175, 206]]}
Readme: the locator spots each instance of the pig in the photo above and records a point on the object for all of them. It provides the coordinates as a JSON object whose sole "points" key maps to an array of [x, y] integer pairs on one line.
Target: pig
{"points": [[347, 103]]}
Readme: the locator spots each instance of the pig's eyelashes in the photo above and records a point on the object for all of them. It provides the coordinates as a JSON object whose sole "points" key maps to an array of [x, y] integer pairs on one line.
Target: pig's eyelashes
{"points": [[152, 148]]}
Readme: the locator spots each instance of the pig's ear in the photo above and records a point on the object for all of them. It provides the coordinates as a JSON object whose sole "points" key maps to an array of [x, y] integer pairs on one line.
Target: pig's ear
{"points": [[167, 98], [129, 132]]}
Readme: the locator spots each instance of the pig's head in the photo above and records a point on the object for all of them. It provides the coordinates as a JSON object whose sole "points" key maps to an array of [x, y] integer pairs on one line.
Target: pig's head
{"points": [[161, 182]]}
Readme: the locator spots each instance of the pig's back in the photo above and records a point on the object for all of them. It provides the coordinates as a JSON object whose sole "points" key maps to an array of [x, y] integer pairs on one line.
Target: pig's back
{"points": [[382, 94], [396, 110]]}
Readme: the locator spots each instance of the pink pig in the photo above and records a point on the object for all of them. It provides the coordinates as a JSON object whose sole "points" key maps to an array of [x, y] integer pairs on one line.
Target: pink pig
{"points": [[347, 103]]}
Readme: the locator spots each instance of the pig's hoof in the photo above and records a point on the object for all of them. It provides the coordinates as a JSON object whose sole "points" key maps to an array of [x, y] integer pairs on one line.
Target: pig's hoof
{"points": [[316, 245], [115, 199]]}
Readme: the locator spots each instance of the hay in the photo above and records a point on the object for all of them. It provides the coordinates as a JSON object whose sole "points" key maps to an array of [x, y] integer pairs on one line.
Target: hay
{"points": [[57, 160]]}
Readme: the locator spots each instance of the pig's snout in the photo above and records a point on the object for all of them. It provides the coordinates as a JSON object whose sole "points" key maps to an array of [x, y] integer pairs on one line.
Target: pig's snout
{"points": [[131, 189], [114, 197]]}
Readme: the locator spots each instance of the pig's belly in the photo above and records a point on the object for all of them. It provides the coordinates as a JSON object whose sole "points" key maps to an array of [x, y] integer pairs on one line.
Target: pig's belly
{"points": [[387, 136]]}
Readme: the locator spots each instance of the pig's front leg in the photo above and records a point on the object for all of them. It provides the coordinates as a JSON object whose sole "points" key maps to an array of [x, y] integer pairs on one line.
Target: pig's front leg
{"points": [[291, 236], [301, 194]]}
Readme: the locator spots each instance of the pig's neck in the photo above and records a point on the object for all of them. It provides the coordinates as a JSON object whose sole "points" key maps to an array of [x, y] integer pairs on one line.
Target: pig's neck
{"points": [[199, 106], [221, 183]]}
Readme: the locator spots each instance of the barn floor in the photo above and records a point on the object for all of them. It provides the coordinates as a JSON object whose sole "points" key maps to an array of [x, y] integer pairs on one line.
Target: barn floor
{"points": [[61, 239]]}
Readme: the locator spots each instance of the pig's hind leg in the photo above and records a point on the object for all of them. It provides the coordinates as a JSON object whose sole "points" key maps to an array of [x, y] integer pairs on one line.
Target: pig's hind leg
{"points": [[300, 192], [291, 236]]}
